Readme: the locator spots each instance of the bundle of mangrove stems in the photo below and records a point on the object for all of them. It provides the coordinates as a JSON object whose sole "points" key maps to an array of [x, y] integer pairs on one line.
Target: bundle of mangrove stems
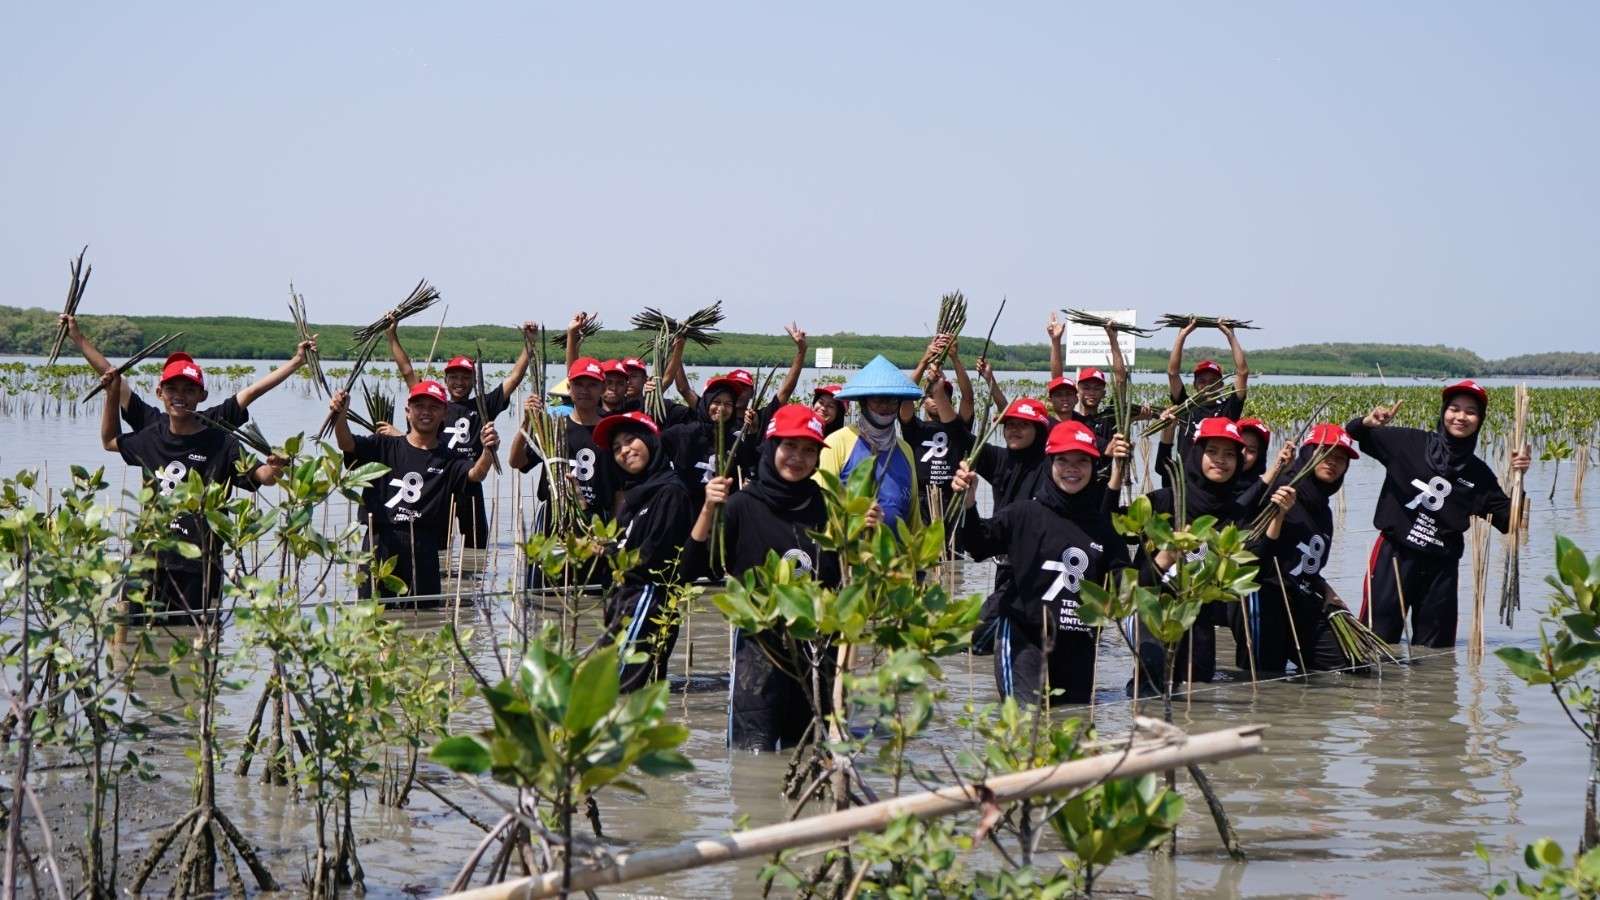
{"points": [[478, 394], [655, 390], [700, 327], [80, 280], [952, 318], [247, 434], [363, 353], [1179, 320], [1080, 317], [1478, 538], [956, 511], [297, 310], [548, 435], [1511, 577], [1205, 396], [1358, 642], [380, 406], [422, 296], [156, 347]]}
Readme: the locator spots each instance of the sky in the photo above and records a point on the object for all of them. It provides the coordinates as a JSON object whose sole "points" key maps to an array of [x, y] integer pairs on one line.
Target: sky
{"points": [[1420, 172]]}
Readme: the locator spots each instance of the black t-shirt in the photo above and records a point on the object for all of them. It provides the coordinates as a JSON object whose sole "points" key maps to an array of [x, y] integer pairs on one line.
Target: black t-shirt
{"points": [[587, 467], [459, 436], [1051, 556], [1421, 508], [139, 414], [415, 495], [167, 459], [938, 446]]}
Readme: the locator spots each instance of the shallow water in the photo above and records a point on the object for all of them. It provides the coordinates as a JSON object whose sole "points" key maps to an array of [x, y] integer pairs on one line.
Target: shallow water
{"points": [[1370, 786]]}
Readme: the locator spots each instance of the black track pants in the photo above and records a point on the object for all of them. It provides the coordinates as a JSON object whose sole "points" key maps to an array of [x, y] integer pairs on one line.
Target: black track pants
{"points": [[1279, 640], [1426, 590], [1020, 663], [637, 616]]}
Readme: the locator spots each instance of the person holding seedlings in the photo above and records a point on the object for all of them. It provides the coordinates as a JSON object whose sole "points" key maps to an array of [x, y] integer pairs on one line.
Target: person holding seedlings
{"points": [[655, 515], [770, 708], [1212, 482], [234, 410], [407, 510], [1434, 483], [462, 425], [584, 459], [614, 393], [1054, 539], [692, 447], [943, 435], [168, 449], [874, 439], [1287, 617], [1013, 472], [1207, 374]]}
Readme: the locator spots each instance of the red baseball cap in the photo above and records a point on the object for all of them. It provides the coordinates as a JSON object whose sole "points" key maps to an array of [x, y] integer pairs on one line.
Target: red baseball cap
{"points": [[1071, 436], [1091, 374], [829, 390], [628, 420], [1258, 426], [797, 422], [585, 367], [460, 362], [613, 367], [1208, 365], [1219, 427], [1328, 434], [182, 365], [430, 389], [1468, 387], [635, 363], [1026, 409], [1062, 382], [738, 380]]}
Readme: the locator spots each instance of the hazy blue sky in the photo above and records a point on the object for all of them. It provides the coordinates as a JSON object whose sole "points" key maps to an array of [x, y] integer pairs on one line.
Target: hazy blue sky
{"points": [[1408, 172]]}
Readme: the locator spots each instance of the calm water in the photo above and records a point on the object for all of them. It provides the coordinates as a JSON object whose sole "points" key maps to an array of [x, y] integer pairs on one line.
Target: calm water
{"points": [[1370, 786]]}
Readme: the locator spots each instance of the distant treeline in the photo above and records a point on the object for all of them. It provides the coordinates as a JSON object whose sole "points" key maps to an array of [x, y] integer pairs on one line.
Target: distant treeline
{"points": [[29, 332]]}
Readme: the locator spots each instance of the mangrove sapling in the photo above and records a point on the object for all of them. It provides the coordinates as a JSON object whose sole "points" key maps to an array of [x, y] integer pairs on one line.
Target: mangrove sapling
{"points": [[1209, 566], [1568, 661], [562, 731], [421, 297], [75, 289]]}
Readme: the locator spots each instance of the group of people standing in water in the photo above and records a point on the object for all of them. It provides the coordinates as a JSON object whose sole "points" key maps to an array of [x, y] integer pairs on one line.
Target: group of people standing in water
{"points": [[1058, 474]]}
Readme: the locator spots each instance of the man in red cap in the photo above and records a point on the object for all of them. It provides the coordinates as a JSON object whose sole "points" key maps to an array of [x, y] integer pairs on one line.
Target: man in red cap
{"points": [[170, 449], [462, 426], [407, 510], [235, 410], [1434, 484], [581, 458], [1206, 375]]}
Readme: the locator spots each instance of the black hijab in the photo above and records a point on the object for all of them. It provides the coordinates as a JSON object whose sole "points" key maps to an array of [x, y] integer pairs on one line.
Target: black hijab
{"points": [[1201, 495], [1078, 507], [1017, 472], [1449, 455], [638, 489], [1312, 494]]}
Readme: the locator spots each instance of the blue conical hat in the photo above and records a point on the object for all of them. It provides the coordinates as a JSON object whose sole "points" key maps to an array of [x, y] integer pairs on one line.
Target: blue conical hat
{"points": [[880, 378]]}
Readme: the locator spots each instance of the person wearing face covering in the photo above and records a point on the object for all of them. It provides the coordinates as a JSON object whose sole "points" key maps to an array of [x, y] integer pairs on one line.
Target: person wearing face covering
{"points": [[1055, 538], [1292, 554], [873, 439], [654, 514], [770, 705], [1433, 485], [1212, 483]]}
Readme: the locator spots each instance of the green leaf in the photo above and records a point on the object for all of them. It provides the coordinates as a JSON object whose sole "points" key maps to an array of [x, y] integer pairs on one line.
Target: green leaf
{"points": [[1523, 664], [594, 690], [462, 753]]}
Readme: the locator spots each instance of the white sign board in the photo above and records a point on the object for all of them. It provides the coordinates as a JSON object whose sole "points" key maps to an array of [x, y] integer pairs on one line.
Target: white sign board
{"points": [[1085, 345], [824, 357]]}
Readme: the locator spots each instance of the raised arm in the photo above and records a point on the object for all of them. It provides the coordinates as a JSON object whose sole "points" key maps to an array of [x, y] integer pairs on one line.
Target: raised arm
{"points": [[962, 382], [519, 369], [402, 360], [1117, 448], [941, 400], [717, 490], [1241, 369], [680, 378], [250, 393], [485, 461], [110, 425], [1054, 329], [791, 379], [92, 355], [339, 405], [1175, 363], [575, 336], [986, 372], [1119, 366], [521, 456]]}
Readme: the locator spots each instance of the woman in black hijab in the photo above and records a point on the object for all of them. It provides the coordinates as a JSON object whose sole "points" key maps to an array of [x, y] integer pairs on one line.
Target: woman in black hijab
{"points": [[770, 694], [1288, 617], [654, 514], [1013, 470], [1434, 483]]}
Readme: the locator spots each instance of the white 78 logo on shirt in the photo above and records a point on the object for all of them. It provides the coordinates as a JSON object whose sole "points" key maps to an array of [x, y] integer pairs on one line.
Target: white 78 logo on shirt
{"points": [[1430, 494], [1069, 572], [172, 475], [407, 489]]}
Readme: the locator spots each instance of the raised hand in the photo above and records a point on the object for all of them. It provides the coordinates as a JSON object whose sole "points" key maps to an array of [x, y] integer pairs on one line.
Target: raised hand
{"points": [[303, 350], [1118, 447], [1055, 328], [796, 335], [533, 405], [1382, 415], [717, 490], [964, 478], [1522, 459], [489, 437], [1283, 498], [339, 402]]}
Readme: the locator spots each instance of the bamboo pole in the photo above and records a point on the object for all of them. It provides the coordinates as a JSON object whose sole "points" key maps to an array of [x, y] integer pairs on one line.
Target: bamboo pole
{"points": [[1150, 757]]}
